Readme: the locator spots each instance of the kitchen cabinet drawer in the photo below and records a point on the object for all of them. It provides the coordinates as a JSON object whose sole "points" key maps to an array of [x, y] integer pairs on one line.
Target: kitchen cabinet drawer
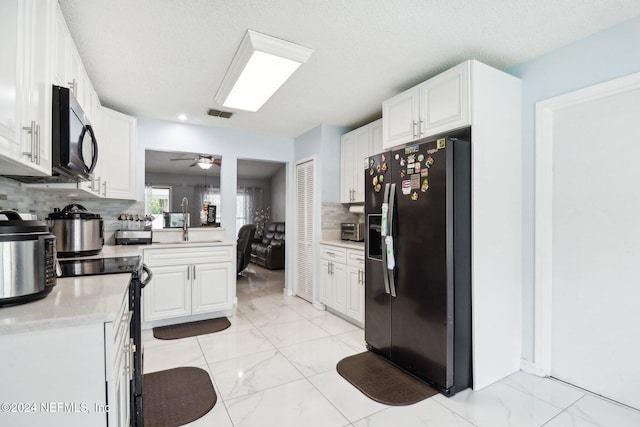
{"points": [[355, 258], [121, 322], [333, 253], [187, 255]]}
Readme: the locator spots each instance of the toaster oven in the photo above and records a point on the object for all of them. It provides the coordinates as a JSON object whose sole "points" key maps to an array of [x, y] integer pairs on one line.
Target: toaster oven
{"points": [[353, 231]]}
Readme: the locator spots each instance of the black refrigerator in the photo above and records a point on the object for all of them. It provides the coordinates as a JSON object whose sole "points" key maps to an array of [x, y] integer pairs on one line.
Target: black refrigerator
{"points": [[418, 259]]}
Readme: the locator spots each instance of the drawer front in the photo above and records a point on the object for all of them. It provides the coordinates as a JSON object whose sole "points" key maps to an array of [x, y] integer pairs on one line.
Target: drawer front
{"points": [[181, 256], [333, 253], [122, 319], [355, 258]]}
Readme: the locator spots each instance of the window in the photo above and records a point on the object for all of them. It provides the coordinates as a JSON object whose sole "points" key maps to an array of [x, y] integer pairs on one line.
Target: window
{"points": [[157, 201]]}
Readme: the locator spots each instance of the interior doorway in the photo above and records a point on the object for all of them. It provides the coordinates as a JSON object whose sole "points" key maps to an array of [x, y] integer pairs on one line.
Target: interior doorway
{"points": [[588, 239], [261, 201]]}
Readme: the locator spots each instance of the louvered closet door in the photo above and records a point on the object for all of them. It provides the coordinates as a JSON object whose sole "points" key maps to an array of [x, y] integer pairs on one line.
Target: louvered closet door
{"points": [[304, 230]]}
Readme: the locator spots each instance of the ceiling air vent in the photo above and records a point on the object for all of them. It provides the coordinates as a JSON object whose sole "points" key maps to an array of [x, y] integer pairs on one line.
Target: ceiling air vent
{"points": [[218, 113]]}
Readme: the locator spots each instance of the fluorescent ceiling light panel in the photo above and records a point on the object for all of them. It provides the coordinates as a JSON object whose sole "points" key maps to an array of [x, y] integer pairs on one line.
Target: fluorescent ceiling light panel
{"points": [[260, 66]]}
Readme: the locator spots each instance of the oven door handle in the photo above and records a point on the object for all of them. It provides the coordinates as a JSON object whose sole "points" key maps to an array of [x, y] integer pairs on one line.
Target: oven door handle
{"points": [[146, 281]]}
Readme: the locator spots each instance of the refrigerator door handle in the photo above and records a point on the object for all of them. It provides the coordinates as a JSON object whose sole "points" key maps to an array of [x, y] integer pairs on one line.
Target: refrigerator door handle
{"points": [[383, 232], [391, 271]]}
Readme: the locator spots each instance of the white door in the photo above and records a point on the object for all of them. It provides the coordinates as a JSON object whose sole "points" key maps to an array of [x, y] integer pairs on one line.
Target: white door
{"points": [[595, 318], [304, 230]]}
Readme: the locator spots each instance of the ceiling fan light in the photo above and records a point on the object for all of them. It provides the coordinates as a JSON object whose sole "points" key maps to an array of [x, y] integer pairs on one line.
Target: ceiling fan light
{"points": [[260, 66], [205, 164]]}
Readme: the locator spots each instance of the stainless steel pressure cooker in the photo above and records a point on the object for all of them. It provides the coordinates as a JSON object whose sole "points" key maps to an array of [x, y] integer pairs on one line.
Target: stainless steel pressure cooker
{"points": [[27, 259], [78, 232]]}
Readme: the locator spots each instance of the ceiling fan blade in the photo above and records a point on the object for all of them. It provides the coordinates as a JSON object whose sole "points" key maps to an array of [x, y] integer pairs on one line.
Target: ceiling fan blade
{"points": [[193, 164], [191, 158], [217, 162]]}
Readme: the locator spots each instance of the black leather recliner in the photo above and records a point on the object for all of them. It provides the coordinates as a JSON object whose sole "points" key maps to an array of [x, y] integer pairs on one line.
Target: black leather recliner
{"points": [[245, 238], [269, 252]]}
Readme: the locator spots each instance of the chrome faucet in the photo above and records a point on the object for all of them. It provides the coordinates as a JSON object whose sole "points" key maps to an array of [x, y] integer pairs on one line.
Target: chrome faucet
{"points": [[185, 219]]}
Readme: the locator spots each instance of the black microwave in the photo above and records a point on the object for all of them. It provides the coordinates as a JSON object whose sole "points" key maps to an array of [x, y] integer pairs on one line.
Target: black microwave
{"points": [[74, 148]]}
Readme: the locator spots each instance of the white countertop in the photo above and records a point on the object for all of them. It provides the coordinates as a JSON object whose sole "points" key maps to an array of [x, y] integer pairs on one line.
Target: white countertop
{"points": [[81, 300], [344, 244], [73, 301]]}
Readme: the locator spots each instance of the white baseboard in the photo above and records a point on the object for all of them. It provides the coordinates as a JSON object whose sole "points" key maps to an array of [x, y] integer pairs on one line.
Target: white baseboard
{"points": [[288, 292], [318, 306]]}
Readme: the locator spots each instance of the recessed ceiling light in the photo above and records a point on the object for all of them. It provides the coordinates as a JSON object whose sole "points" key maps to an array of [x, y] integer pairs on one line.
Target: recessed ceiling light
{"points": [[182, 117], [260, 66]]}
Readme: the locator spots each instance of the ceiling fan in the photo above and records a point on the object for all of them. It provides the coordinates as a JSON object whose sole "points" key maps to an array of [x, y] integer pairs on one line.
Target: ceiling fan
{"points": [[203, 160]]}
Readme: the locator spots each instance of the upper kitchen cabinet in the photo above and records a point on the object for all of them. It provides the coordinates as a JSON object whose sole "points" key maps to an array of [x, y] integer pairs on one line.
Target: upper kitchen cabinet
{"points": [[355, 146], [440, 104], [117, 142], [25, 107], [68, 69]]}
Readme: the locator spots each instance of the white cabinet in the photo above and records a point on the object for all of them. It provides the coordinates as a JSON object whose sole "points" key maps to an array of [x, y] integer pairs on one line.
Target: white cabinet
{"points": [[342, 280], [188, 281], [119, 351], [169, 293], [438, 105], [25, 106], [117, 150], [355, 284], [355, 146]]}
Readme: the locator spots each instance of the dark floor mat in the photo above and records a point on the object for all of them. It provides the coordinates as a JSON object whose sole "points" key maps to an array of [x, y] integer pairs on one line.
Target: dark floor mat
{"points": [[176, 396], [382, 381], [191, 329]]}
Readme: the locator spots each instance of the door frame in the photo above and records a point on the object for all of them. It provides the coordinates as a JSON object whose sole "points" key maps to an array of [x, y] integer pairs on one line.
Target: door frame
{"points": [[543, 281]]}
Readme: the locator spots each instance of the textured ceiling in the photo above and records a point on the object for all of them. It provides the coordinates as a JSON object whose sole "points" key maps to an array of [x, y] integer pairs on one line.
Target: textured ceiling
{"points": [[159, 58]]}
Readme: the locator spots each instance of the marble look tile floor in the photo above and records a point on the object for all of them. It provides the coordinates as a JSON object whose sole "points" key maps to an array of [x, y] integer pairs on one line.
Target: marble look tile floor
{"points": [[275, 366]]}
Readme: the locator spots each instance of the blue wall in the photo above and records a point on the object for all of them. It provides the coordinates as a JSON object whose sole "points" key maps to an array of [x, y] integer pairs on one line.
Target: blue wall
{"points": [[603, 56]]}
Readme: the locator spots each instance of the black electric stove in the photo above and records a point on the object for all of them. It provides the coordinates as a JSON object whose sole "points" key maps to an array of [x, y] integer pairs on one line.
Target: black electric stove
{"points": [[99, 266]]}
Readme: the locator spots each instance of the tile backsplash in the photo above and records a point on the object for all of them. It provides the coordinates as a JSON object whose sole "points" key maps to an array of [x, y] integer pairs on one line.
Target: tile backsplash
{"points": [[15, 196], [333, 214]]}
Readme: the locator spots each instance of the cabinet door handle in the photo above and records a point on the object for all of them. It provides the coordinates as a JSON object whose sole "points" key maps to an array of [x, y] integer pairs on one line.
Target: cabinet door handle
{"points": [[415, 133], [331, 263], [189, 273], [37, 150], [194, 272], [104, 188], [32, 132]]}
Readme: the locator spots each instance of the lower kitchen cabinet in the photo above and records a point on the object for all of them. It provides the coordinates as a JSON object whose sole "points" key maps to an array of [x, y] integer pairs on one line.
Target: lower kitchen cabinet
{"points": [[342, 280], [69, 376], [188, 281]]}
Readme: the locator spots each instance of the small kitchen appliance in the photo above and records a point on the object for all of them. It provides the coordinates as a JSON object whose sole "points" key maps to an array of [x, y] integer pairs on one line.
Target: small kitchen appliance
{"points": [[78, 232], [353, 231], [134, 237], [27, 259]]}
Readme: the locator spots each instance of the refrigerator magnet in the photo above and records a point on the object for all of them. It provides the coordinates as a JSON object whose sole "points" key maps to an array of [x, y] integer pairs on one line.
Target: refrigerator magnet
{"points": [[406, 187], [429, 161], [381, 179], [425, 185], [384, 167], [416, 167], [415, 181], [442, 143], [411, 158], [383, 158], [424, 172], [414, 196], [409, 171], [402, 162], [420, 157], [371, 171]]}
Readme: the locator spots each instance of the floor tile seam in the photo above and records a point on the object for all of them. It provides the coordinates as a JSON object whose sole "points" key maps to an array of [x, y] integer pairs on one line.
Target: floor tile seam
{"points": [[267, 389], [258, 391], [349, 422], [597, 396], [526, 393], [454, 411], [584, 418], [220, 396]]}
